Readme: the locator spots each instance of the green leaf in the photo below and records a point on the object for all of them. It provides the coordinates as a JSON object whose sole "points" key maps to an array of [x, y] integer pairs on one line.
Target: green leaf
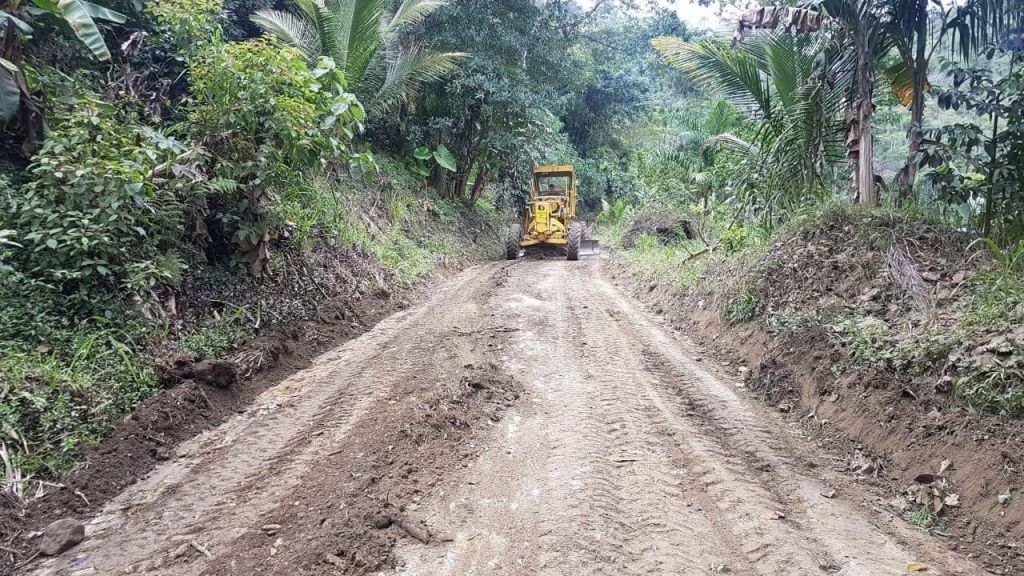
{"points": [[48, 5], [10, 95], [97, 11], [77, 15], [445, 158], [423, 153], [18, 22], [422, 170], [51, 243]]}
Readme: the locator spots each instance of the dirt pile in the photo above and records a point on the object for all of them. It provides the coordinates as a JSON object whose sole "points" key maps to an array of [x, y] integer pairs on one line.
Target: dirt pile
{"points": [[667, 227], [859, 327]]}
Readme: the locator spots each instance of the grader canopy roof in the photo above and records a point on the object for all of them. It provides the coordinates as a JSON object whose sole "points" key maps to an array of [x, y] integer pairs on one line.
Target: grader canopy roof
{"points": [[553, 183]]}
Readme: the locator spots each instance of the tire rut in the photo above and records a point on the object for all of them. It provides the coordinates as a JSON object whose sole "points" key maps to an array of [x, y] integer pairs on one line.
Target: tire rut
{"points": [[224, 482], [633, 459], [404, 451]]}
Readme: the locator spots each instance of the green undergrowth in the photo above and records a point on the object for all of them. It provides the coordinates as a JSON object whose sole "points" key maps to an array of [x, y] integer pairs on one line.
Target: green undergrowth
{"points": [[672, 265], [900, 292], [70, 368]]}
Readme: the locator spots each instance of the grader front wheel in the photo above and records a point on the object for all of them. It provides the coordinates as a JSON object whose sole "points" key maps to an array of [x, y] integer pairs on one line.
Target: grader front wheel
{"points": [[575, 239], [515, 234]]}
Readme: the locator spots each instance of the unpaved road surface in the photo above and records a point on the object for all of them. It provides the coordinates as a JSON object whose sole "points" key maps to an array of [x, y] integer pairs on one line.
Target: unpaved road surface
{"points": [[527, 418]]}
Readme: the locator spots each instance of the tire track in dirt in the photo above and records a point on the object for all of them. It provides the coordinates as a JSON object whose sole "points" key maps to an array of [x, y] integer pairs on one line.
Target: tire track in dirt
{"points": [[225, 481], [404, 451], [633, 459], [743, 467]]}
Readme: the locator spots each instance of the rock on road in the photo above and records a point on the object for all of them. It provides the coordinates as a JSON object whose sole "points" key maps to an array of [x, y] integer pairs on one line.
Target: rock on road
{"points": [[618, 454]]}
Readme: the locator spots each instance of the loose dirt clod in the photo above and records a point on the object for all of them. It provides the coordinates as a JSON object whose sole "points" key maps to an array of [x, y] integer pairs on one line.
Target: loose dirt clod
{"points": [[220, 374], [416, 530], [60, 536], [382, 522]]}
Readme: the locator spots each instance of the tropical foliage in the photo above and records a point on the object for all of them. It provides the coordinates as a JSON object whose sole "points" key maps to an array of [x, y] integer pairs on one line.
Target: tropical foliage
{"points": [[383, 66]]}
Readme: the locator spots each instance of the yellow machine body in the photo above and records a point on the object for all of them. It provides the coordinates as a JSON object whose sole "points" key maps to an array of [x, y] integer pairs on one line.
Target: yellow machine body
{"points": [[552, 206], [549, 218]]}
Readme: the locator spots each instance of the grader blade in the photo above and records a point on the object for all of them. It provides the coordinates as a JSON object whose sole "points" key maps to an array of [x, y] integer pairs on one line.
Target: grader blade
{"points": [[590, 247]]}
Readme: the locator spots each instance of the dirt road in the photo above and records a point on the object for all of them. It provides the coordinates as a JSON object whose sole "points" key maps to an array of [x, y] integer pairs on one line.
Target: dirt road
{"points": [[527, 418]]}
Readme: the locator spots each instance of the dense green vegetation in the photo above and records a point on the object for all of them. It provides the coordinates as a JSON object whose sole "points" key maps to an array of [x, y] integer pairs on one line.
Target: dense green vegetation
{"points": [[155, 145]]}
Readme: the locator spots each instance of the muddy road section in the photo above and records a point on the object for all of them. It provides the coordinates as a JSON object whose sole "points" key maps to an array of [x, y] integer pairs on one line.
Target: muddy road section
{"points": [[528, 418]]}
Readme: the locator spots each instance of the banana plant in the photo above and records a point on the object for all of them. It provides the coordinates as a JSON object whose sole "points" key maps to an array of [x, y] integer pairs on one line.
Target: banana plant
{"points": [[80, 16]]}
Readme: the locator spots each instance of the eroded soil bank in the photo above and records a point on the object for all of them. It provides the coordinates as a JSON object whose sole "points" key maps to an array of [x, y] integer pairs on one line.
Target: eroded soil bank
{"points": [[918, 448]]}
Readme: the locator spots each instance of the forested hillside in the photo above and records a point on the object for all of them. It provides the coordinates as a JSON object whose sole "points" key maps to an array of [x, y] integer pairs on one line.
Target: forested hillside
{"points": [[191, 190]]}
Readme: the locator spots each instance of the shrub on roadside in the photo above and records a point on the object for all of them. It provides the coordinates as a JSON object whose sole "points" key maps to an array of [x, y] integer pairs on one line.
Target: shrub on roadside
{"points": [[92, 219], [264, 116]]}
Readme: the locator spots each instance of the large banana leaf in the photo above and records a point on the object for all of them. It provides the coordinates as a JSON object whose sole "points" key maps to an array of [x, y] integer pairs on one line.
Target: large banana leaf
{"points": [[9, 93], [18, 23], [79, 15]]}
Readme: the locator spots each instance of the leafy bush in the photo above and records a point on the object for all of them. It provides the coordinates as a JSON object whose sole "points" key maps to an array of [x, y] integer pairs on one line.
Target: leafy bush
{"points": [[613, 214], [734, 239], [741, 306], [185, 24], [993, 382], [217, 337], [869, 339], [263, 115], [92, 218]]}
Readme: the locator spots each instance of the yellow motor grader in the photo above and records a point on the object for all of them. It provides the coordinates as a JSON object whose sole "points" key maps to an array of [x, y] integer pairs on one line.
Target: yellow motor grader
{"points": [[550, 216]]}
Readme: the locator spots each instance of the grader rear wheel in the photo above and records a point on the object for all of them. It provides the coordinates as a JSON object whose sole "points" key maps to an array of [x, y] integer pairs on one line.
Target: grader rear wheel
{"points": [[515, 234], [575, 238]]}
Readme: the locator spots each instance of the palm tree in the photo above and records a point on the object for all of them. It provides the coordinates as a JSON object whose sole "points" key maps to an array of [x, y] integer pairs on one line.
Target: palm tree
{"points": [[383, 68], [874, 27], [797, 97], [856, 28], [693, 140]]}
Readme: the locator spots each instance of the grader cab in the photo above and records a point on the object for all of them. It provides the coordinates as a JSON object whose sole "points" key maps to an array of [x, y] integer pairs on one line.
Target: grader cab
{"points": [[550, 216]]}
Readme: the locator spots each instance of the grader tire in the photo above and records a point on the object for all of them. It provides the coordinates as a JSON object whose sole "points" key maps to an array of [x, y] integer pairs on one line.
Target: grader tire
{"points": [[575, 238], [515, 234]]}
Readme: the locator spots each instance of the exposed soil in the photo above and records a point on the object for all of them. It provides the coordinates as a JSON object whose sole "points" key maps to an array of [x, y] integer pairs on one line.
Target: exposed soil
{"points": [[887, 427], [152, 433], [528, 418]]}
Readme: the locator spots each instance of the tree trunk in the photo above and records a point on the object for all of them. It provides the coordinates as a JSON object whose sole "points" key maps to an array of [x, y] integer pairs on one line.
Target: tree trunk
{"points": [[478, 185], [919, 70], [441, 181], [866, 193], [461, 182], [27, 122]]}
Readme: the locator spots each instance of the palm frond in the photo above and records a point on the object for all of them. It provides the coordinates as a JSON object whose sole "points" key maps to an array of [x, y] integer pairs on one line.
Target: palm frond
{"points": [[292, 29], [363, 40], [407, 71], [748, 149], [732, 73], [413, 12], [721, 118]]}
